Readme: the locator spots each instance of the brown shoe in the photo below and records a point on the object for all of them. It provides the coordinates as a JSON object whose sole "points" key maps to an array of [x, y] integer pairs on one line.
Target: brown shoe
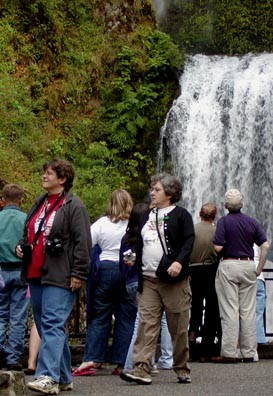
{"points": [[224, 359]]}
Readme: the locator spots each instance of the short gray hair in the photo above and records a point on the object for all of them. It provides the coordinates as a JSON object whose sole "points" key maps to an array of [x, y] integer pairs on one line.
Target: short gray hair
{"points": [[170, 184]]}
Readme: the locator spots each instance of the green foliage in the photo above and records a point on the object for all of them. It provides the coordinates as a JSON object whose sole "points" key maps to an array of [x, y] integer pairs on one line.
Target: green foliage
{"points": [[220, 26], [98, 176], [18, 121], [243, 26], [138, 87], [88, 81], [12, 172], [91, 81]]}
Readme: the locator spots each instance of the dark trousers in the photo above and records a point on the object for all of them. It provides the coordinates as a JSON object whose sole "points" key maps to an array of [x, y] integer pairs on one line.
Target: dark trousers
{"points": [[205, 318], [109, 298]]}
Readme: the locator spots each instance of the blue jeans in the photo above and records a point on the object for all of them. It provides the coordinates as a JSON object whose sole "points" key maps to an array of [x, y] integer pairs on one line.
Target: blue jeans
{"points": [[13, 316], [52, 306], [165, 360], [132, 292], [260, 307], [110, 298]]}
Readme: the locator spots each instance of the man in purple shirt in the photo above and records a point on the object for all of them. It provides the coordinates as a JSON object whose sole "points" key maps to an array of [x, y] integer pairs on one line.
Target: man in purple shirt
{"points": [[235, 282]]}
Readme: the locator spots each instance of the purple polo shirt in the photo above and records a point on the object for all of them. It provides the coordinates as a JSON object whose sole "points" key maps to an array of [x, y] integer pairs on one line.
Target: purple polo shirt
{"points": [[237, 233]]}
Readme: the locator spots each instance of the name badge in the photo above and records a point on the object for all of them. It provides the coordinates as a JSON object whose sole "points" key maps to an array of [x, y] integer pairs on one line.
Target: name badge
{"points": [[36, 226]]}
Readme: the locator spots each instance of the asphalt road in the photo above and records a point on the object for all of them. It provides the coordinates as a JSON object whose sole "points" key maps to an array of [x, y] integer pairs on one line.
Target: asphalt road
{"points": [[208, 379]]}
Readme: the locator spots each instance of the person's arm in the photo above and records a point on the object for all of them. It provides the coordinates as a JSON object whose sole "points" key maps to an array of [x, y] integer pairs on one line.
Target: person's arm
{"points": [[263, 252], [186, 248], [219, 236], [218, 248], [80, 232]]}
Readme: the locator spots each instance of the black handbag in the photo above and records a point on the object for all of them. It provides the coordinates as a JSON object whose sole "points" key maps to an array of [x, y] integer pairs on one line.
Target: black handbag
{"points": [[165, 262]]}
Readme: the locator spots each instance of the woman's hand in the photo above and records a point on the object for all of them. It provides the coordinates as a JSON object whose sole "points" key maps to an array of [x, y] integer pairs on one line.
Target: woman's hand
{"points": [[174, 269], [128, 262], [75, 284], [129, 258], [18, 251]]}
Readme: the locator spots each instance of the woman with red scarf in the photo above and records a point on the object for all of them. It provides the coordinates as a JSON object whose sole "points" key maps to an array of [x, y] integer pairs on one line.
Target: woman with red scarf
{"points": [[55, 251]]}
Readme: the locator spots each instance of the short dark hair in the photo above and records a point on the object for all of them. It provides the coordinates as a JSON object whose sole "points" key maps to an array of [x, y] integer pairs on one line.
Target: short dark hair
{"points": [[12, 193], [63, 169], [170, 184]]}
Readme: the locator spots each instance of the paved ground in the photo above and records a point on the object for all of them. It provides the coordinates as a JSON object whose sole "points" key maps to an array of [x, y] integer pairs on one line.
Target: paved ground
{"points": [[208, 379]]}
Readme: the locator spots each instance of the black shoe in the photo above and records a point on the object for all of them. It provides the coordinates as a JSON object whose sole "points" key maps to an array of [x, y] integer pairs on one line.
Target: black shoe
{"points": [[248, 360], [224, 359], [205, 359], [29, 371], [184, 379], [14, 367], [3, 363]]}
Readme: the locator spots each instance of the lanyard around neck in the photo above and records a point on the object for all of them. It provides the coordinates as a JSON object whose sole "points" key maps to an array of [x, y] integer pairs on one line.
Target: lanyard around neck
{"points": [[47, 212]]}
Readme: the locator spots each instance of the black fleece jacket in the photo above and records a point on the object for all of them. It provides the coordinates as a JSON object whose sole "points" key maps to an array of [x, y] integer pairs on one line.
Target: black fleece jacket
{"points": [[179, 237], [71, 225]]}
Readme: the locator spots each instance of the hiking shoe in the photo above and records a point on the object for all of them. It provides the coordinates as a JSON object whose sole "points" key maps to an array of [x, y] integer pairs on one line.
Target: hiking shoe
{"points": [[138, 375], [66, 387], [184, 379], [44, 384]]}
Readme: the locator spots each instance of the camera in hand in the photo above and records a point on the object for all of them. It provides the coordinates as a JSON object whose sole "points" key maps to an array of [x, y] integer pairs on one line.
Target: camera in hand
{"points": [[54, 246], [129, 255], [27, 252]]}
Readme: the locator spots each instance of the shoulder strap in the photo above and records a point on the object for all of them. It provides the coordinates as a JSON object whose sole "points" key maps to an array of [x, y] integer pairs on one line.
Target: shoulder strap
{"points": [[52, 207], [156, 223]]}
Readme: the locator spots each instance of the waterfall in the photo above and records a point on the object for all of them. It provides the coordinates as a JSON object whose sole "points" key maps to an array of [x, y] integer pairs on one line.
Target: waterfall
{"points": [[218, 135]]}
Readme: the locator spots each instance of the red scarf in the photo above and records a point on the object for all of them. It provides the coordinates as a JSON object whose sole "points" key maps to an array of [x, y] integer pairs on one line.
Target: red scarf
{"points": [[38, 253]]}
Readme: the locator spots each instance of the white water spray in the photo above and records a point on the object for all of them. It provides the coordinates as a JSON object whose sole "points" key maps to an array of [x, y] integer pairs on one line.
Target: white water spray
{"points": [[219, 135], [160, 7]]}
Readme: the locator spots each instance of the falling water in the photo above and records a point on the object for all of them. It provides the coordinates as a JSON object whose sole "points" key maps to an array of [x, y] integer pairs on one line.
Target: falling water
{"points": [[219, 133]]}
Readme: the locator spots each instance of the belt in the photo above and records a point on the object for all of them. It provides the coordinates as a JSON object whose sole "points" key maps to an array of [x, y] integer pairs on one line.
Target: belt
{"points": [[11, 266], [199, 264], [238, 258]]}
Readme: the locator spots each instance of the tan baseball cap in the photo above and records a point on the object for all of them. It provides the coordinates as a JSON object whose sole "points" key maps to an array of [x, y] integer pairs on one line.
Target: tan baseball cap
{"points": [[233, 200]]}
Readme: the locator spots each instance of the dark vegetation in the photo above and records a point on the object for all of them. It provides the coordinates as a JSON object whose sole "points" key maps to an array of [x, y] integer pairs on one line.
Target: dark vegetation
{"points": [[220, 26], [91, 81]]}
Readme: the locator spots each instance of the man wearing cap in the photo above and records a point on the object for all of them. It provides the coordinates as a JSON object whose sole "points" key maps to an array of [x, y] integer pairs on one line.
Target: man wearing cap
{"points": [[235, 282]]}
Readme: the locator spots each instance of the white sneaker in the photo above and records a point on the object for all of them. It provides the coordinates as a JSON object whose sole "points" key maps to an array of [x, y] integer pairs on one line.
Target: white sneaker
{"points": [[44, 384], [154, 369], [256, 357], [66, 387]]}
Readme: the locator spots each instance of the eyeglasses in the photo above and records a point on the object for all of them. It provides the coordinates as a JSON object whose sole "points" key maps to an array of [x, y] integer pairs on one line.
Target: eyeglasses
{"points": [[156, 189]]}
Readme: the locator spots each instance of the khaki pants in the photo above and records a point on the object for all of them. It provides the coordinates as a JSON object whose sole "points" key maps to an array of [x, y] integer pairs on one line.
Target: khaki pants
{"points": [[176, 300], [236, 290]]}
